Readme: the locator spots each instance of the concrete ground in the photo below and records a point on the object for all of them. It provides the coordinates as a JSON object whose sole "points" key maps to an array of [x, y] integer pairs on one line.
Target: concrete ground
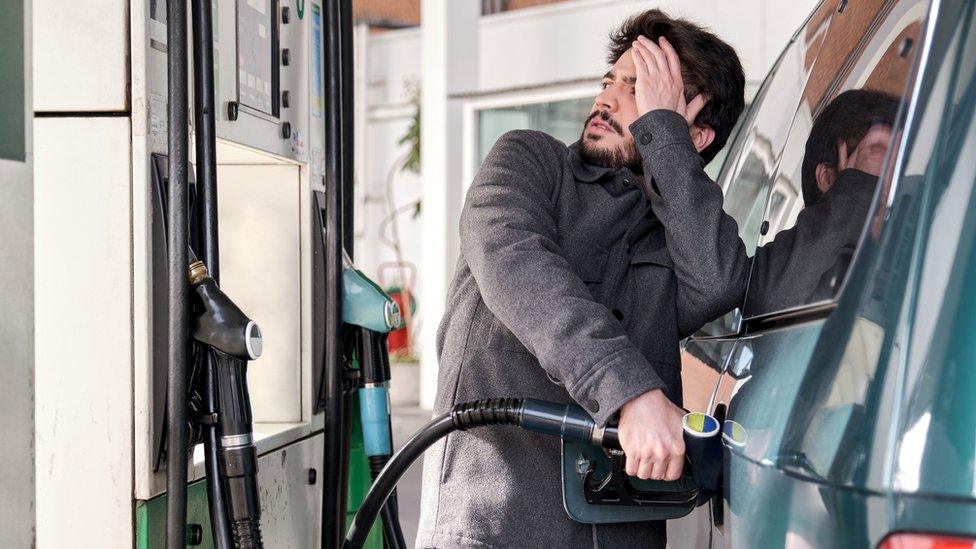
{"points": [[406, 421]]}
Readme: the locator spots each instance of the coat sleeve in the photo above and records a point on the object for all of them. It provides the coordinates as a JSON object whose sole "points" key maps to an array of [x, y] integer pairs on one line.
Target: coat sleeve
{"points": [[509, 240], [710, 261]]}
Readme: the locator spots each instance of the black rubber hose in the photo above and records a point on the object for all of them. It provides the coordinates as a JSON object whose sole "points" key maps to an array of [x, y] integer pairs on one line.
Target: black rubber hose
{"points": [[176, 398], [335, 419], [495, 411], [206, 148], [204, 126], [347, 127], [390, 514], [437, 429], [392, 535], [247, 534], [500, 411]]}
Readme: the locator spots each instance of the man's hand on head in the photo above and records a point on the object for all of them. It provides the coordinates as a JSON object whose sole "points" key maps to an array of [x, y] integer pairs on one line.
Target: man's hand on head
{"points": [[651, 437], [870, 152], [659, 82]]}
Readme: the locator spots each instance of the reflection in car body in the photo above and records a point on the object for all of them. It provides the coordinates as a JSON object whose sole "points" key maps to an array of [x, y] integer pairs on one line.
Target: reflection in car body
{"points": [[849, 407]]}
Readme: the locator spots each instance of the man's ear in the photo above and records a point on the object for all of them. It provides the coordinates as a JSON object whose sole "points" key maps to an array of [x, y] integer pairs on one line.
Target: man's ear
{"points": [[825, 177], [702, 136]]}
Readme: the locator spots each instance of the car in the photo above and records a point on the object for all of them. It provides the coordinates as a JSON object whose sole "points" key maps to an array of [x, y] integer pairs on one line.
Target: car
{"points": [[848, 407]]}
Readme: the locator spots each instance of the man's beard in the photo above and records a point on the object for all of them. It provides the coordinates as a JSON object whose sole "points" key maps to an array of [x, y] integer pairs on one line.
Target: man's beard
{"points": [[623, 156]]}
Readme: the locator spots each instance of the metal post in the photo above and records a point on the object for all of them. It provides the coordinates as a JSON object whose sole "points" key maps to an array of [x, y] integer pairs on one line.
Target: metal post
{"points": [[178, 285], [336, 460]]}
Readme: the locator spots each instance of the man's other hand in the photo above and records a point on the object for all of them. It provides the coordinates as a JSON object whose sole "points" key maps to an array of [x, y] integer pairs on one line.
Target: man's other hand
{"points": [[651, 437], [659, 82]]}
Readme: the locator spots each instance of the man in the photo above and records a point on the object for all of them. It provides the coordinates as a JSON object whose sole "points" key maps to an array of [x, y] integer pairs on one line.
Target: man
{"points": [[565, 291]]}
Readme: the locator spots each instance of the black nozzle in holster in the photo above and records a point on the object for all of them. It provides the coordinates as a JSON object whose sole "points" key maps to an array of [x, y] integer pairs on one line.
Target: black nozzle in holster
{"points": [[221, 324], [233, 339]]}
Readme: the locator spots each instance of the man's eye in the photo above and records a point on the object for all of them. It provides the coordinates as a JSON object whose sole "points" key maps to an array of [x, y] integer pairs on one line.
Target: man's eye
{"points": [[604, 85]]}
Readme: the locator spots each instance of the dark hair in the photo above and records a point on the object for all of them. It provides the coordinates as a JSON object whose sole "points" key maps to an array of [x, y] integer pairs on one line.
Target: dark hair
{"points": [[708, 65], [847, 117]]}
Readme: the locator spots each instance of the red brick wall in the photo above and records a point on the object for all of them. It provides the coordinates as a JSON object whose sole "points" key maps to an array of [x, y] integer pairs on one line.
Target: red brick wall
{"points": [[519, 4], [381, 12]]}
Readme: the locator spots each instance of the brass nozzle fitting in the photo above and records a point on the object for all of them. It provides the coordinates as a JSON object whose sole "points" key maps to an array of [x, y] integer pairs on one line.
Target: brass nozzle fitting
{"points": [[198, 273]]}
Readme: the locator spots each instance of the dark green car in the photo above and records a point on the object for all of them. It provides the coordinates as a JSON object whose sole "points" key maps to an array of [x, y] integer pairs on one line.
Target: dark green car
{"points": [[849, 405]]}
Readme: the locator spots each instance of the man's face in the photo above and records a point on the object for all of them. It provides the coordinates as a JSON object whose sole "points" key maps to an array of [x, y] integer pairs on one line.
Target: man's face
{"points": [[606, 139]]}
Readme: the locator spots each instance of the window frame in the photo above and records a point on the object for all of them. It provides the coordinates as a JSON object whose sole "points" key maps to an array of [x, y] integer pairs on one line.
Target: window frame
{"points": [[472, 104]]}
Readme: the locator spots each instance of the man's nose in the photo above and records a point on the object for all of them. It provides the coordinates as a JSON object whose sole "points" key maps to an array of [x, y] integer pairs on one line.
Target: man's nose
{"points": [[607, 100]]}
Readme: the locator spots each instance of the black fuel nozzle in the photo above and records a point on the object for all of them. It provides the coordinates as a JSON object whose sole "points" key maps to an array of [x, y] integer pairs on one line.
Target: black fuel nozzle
{"points": [[567, 421], [221, 324], [234, 339], [703, 443]]}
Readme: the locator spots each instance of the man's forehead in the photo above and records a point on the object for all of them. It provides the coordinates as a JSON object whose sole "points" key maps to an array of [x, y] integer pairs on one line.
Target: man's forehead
{"points": [[627, 77]]}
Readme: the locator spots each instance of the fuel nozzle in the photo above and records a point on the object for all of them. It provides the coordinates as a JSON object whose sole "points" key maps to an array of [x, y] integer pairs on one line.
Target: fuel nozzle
{"points": [[222, 325], [703, 445], [235, 339]]}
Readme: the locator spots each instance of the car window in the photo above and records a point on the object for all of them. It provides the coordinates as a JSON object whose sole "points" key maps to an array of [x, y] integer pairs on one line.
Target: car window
{"points": [[747, 174], [828, 170], [809, 397]]}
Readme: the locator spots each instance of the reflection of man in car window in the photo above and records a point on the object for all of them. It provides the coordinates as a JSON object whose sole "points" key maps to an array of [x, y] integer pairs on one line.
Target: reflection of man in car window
{"points": [[841, 165]]}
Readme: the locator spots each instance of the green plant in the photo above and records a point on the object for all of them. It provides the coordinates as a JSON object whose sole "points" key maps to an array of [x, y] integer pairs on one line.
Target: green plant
{"points": [[412, 137]]}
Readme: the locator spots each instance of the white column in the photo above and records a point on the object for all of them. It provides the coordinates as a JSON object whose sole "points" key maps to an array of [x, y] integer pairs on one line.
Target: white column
{"points": [[364, 222], [449, 60]]}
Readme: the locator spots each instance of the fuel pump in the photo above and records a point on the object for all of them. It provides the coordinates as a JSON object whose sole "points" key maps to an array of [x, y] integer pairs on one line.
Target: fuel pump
{"points": [[143, 198]]}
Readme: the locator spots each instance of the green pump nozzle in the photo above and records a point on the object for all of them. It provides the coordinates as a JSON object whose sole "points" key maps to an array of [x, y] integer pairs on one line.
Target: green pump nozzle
{"points": [[364, 303], [368, 310]]}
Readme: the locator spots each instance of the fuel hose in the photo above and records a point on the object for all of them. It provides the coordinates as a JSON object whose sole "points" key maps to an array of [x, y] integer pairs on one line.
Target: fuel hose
{"points": [[568, 422]]}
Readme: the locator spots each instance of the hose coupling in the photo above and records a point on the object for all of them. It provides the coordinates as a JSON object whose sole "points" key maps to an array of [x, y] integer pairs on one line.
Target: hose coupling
{"points": [[198, 273]]}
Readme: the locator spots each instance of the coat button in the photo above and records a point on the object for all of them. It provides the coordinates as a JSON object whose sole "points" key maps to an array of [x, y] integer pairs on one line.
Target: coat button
{"points": [[592, 405], [764, 228], [626, 182], [645, 138]]}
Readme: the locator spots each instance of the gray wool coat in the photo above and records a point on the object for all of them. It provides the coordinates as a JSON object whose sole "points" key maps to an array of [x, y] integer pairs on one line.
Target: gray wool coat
{"points": [[575, 284]]}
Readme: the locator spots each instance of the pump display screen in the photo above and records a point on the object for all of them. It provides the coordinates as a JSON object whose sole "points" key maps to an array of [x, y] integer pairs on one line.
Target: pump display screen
{"points": [[257, 55]]}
